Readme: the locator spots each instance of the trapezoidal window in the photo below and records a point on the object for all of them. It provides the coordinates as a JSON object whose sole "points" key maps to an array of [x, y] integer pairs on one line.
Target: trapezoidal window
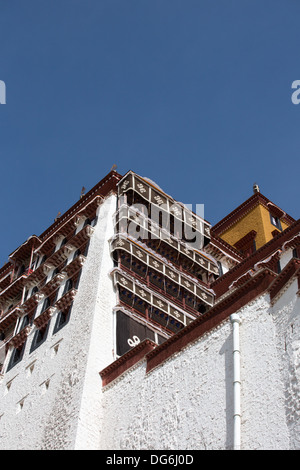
{"points": [[16, 356], [275, 221], [39, 337], [62, 319]]}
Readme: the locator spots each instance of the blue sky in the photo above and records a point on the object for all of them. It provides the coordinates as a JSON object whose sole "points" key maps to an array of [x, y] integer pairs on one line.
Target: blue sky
{"points": [[194, 94]]}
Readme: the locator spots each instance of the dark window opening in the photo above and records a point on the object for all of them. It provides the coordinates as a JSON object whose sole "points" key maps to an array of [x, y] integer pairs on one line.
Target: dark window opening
{"points": [[130, 333], [64, 241], [24, 322], [68, 286], [55, 271], [16, 356], [202, 308], [220, 268], [76, 253], [22, 270], [278, 267], [46, 304], [62, 319], [34, 290], [43, 259], [275, 221], [39, 337]]}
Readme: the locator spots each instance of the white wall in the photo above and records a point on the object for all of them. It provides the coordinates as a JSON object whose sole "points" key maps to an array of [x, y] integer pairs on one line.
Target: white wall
{"points": [[183, 404], [53, 398], [287, 320], [187, 402], [51, 412]]}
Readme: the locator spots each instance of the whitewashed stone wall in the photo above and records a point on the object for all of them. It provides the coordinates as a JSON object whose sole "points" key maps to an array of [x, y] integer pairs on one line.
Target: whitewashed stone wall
{"points": [[286, 315], [51, 399], [187, 402], [183, 404], [285, 257]]}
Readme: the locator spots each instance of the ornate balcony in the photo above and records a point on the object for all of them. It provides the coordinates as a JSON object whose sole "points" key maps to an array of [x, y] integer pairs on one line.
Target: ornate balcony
{"points": [[147, 295], [165, 268]]}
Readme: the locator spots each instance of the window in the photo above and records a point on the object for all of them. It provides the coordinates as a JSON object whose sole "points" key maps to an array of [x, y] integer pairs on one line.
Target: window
{"points": [[94, 221], [202, 308], [16, 356], [24, 322], [46, 304], [68, 286], [34, 290], [76, 253], [62, 319], [221, 268], [22, 270], [39, 337], [43, 259], [55, 271], [275, 221], [64, 241], [278, 267], [26, 295]]}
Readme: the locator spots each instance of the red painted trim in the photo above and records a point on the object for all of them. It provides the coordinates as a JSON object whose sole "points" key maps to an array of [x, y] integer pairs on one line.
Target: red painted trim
{"points": [[259, 283], [126, 361], [245, 240], [107, 184], [245, 207], [292, 268], [221, 285], [217, 242]]}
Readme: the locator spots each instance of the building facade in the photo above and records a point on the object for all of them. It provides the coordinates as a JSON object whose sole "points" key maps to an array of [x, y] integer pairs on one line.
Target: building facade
{"points": [[131, 323]]}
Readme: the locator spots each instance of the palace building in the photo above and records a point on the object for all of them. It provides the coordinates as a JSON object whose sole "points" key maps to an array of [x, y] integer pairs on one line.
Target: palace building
{"points": [[131, 323]]}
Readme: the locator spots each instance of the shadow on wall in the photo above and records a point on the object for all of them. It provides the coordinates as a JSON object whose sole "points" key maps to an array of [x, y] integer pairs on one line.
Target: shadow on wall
{"points": [[228, 356]]}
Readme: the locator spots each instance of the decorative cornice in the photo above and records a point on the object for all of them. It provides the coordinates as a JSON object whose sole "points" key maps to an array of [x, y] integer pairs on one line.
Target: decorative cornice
{"points": [[244, 208], [43, 319], [217, 243], [249, 237], [53, 284], [30, 304], [66, 300], [20, 338], [290, 270], [10, 317], [105, 186], [25, 249], [221, 285]]}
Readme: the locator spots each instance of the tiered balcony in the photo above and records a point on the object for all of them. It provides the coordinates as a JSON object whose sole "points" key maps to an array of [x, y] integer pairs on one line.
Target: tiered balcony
{"points": [[151, 261], [138, 190], [155, 302], [130, 223]]}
